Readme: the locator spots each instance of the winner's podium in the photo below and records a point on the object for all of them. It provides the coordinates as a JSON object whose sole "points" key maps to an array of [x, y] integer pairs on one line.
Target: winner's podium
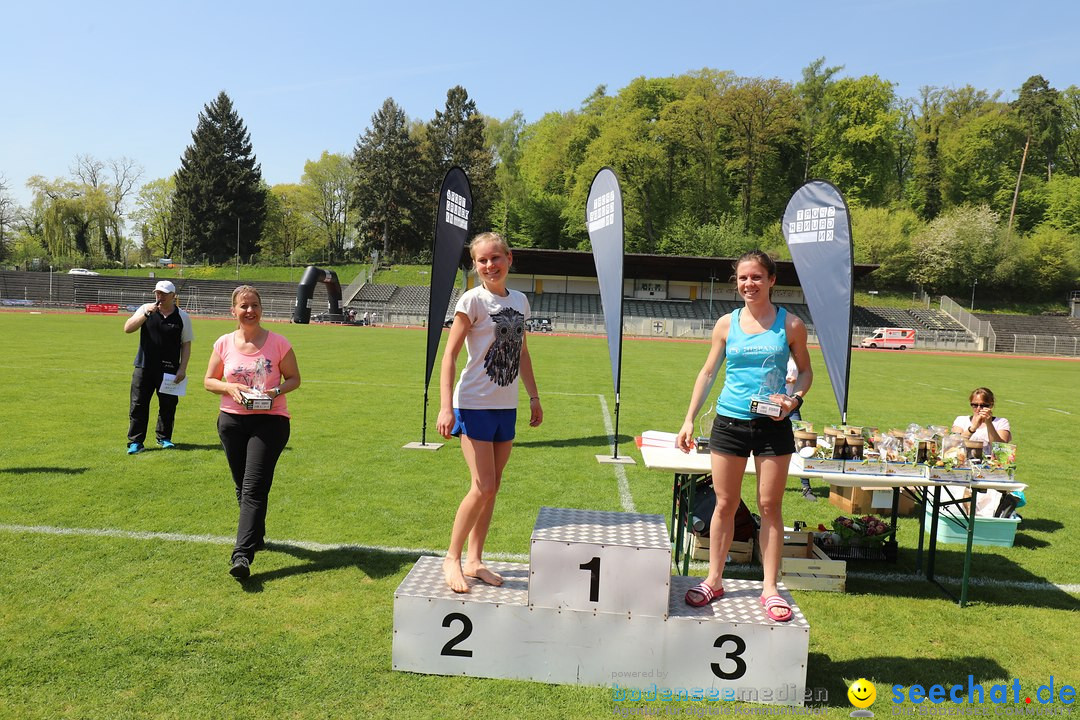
{"points": [[597, 605]]}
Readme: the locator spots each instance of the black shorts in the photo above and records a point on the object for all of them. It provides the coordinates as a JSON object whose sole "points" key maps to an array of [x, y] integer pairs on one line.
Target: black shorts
{"points": [[761, 436]]}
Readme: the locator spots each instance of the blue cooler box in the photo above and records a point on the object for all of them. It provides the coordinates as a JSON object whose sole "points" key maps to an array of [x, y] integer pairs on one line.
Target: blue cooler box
{"points": [[988, 531]]}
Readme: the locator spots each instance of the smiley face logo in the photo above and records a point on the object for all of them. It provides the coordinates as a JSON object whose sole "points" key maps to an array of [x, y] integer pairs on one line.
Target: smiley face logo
{"points": [[862, 693]]}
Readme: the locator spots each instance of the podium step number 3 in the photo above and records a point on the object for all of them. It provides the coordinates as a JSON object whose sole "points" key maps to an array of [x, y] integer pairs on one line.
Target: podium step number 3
{"points": [[597, 606]]}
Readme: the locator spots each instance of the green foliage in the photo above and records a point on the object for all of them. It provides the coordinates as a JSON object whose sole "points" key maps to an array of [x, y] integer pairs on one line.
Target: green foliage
{"points": [[153, 217], [289, 234], [328, 185], [955, 249], [858, 140], [1040, 112], [455, 136], [220, 200], [981, 159], [883, 237], [1063, 203], [724, 238], [389, 184]]}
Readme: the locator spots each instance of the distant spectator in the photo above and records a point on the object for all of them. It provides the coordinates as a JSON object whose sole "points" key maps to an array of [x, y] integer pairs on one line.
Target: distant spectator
{"points": [[982, 424], [164, 347]]}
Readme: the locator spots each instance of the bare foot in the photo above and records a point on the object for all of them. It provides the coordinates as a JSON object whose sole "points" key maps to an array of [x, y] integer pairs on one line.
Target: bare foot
{"points": [[483, 574], [454, 577]]}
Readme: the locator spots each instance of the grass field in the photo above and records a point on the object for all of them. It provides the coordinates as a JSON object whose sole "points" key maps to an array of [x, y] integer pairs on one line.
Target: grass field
{"points": [[115, 600]]}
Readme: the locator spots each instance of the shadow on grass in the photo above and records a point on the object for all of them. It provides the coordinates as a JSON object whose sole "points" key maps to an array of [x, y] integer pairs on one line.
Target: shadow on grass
{"points": [[1041, 525], [373, 563], [1026, 541], [601, 442], [44, 471], [835, 677], [994, 580]]}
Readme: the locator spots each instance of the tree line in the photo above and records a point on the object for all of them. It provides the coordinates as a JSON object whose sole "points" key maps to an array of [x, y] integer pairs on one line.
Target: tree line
{"points": [[952, 187]]}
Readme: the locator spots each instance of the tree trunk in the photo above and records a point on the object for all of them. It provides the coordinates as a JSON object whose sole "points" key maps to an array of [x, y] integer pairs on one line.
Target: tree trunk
{"points": [[1016, 193]]}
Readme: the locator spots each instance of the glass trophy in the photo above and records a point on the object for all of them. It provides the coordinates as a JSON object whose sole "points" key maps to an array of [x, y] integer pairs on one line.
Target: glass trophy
{"points": [[772, 384], [701, 442]]}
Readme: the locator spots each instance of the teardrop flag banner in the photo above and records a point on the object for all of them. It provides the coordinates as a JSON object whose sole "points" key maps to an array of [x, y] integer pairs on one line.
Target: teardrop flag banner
{"points": [[451, 232], [604, 220], [817, 228]]}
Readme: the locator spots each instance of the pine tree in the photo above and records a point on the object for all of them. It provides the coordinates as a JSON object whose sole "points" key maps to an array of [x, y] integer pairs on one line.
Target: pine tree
{"points": [[456, 137], [219, 190], [388, 172]]}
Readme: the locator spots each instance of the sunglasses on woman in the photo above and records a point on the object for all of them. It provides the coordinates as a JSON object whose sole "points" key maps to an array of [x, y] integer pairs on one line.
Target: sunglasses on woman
{"points": [[981, 405]]}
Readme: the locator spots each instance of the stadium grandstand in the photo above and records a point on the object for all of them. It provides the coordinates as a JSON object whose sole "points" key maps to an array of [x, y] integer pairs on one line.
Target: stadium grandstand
{"points": [[668, 296]]}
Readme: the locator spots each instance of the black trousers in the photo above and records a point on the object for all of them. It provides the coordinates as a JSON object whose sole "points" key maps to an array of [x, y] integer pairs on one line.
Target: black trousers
{"points": [[253, 444], [144, 383]]}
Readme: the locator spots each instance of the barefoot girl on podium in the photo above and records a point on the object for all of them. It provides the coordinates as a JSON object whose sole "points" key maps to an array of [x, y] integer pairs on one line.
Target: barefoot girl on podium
{"points": [[755, 340], [490, 321]]}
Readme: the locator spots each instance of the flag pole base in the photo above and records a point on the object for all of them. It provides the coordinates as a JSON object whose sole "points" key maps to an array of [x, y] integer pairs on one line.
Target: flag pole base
{"points": [[606, 459], [421, 446]]}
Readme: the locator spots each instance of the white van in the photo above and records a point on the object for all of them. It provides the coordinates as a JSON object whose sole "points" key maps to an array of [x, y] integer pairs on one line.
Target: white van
{"points": [[896, 338]]}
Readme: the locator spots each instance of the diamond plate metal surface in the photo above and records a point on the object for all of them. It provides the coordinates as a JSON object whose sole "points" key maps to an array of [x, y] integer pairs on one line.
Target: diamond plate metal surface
{"points": [[741, 604], [601, 528], [426, 580]]}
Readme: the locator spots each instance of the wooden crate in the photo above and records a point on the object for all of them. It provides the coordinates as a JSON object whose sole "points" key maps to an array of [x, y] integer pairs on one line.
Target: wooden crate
{"points": [[796, 544], [818, 572], [740, 552], [805, 566], [860, 501]]}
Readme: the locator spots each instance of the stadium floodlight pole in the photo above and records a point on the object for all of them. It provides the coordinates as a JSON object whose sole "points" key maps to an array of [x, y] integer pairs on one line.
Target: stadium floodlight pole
{"points": [[973, 284], [238, 249]]}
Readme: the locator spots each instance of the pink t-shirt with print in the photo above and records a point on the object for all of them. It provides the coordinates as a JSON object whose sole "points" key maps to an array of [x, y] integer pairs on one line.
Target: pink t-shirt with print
{"points": [[260, 370]]}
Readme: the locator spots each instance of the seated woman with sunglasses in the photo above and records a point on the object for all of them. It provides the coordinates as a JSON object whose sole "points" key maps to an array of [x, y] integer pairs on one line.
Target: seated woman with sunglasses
{"points": [[982, 423]]}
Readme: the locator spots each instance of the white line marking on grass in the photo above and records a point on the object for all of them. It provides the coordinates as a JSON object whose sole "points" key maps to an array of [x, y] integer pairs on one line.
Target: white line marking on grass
{"points": [[1063, 412], [223, 540], [1016, 402], [1071, 588], [625, 499]]}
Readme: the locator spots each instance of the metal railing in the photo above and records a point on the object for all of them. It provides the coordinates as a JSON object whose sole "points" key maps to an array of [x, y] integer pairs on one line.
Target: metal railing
{"points": [[1040, 345], [981, 328]]}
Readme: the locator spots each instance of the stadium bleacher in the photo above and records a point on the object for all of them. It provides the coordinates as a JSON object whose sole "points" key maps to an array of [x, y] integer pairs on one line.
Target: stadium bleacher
{"points": [[1011, 328]]}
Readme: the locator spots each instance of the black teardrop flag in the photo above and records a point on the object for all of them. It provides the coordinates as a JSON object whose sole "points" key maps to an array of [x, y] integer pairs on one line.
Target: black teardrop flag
{"points": [[451, 232]]}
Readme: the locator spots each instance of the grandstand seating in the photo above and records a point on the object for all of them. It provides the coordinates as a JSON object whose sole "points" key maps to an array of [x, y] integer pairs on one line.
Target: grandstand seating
{"points": [[935, 320], [1008, 327], [204, 297]]}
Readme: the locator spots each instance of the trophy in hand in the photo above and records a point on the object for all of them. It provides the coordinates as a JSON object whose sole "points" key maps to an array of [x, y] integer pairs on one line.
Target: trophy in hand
{"points": [[701, 442], [761, 403]]}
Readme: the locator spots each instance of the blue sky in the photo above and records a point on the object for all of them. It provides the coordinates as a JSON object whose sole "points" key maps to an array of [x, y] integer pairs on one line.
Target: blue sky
{"points": [[127, 79]]}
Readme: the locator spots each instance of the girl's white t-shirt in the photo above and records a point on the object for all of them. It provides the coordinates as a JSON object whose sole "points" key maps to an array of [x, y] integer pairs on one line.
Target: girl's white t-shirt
{"points": [[489, 380]]}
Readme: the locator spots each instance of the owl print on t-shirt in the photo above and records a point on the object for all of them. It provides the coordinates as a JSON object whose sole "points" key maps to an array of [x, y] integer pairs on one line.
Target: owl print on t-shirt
{"points": [[504, 356]]}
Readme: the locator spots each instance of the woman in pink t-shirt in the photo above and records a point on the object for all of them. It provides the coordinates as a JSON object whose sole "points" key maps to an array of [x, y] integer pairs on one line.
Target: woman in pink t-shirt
{"points": [[251, 361]]}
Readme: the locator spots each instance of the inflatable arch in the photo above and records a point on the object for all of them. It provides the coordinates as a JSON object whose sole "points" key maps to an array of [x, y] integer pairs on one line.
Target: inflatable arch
{"points": [[306, 289]]}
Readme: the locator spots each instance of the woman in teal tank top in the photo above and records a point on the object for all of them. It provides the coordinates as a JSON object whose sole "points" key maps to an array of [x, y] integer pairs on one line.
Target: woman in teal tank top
{"points": [[755, 340]]}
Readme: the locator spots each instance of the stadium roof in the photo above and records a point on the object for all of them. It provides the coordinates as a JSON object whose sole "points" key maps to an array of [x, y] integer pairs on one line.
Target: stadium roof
{"points": [[686, 268]]}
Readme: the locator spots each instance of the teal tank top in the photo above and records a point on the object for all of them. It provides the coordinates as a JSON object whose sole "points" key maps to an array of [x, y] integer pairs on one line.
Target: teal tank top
{"points": [[756, 365]]}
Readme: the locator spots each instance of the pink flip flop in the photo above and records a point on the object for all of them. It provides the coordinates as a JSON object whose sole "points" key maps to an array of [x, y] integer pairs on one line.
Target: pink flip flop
{"points": [[702, 594], [775, 603]]}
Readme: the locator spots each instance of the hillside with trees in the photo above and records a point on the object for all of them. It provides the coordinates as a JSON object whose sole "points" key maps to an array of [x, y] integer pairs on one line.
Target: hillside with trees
{"points": [[954, 187]]}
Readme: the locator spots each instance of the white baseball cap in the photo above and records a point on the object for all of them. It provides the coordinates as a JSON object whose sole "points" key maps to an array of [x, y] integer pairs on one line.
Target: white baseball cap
{"points": [[165, 286]]}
